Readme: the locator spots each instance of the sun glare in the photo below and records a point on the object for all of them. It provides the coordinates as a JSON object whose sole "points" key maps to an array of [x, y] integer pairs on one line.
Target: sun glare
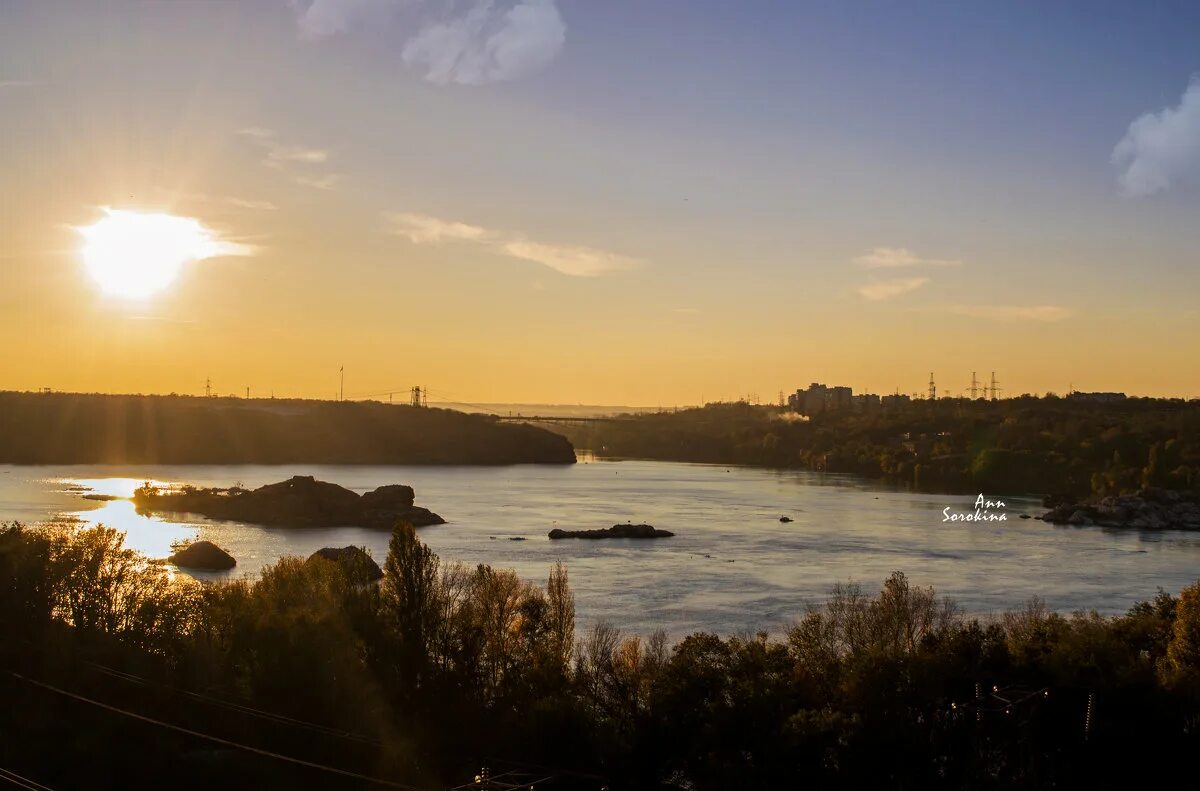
{"points": [[137, 254]]}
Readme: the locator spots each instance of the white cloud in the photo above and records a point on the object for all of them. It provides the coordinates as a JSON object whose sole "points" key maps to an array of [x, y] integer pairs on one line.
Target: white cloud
{"points": [[566, 259], [878, 290], [489, 43], [16, 84], [1160, 148], [1014, 312], [320, 18], [468, 42], [895, 257]]}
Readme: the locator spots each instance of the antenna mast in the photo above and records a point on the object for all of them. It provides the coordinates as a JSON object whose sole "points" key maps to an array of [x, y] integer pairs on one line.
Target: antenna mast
{"points": [[932, 388]]}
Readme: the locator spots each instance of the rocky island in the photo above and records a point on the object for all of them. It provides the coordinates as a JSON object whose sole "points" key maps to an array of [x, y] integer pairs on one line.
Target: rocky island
{"points": [[301, 501], [616, 531], [1148, 509]]}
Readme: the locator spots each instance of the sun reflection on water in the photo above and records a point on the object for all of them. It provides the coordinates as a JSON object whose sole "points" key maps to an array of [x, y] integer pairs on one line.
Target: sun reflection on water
{"points": [[149, 534]]}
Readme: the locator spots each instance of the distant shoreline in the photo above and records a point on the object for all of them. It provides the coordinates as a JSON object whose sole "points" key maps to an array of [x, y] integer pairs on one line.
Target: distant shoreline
{"points": [[75, 428]]}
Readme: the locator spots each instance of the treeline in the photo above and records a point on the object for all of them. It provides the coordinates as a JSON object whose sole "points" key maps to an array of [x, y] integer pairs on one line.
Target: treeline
{"points": [[441, 669], [73, 428], [1022, 445]]}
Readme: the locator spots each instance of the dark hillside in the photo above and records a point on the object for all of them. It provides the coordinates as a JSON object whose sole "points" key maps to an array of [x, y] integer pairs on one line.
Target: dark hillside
{"points": [[68, 428]]}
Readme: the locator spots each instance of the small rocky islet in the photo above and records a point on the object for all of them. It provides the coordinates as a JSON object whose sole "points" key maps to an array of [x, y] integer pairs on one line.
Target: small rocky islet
{"points": [[1148, 509], [616, 531], [300, 501]]}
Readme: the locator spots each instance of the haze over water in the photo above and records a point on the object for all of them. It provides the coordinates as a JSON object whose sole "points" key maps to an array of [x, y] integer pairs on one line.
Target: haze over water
{"points": [[732, 566]]}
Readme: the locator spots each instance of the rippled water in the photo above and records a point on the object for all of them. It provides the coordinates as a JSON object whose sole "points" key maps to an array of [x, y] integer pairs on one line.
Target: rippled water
{"points": [[732, 566]]}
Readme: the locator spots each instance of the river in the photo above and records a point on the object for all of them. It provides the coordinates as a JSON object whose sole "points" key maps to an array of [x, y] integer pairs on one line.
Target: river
{"points": [[731, 567]]}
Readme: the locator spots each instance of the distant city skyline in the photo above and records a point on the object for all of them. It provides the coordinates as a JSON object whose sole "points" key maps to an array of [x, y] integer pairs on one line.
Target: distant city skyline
{"points": [[556, 201]]}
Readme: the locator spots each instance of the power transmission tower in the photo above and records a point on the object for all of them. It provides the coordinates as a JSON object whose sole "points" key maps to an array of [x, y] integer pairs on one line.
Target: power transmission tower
{"points": [[995, 386], [208, 387], [418, 397], [342, 385], [974, 386], [932, 388]]}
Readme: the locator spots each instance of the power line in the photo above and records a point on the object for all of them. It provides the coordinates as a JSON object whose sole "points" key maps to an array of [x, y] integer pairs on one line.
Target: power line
{"points": [[22, 782], [214, 739], [260, 713]]}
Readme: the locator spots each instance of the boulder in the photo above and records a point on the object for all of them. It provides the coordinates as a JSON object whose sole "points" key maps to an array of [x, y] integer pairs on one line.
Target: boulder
{"points": [[357, 564], [616, 531], [386, 497], [203, 555]]}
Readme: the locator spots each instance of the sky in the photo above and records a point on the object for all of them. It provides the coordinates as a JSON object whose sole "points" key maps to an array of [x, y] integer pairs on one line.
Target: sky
{"points": [[570, 201]]}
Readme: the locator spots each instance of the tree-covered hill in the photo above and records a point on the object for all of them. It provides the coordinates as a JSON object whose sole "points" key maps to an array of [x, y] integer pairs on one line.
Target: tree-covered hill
{"points": [[70, 428], [1019, 445]]}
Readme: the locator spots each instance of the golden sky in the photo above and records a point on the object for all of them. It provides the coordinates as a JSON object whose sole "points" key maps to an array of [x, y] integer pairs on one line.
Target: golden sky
{"points": [[563, 225]]}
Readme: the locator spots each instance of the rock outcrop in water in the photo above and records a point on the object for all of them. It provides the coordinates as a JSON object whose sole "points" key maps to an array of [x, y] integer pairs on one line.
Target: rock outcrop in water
{"points": [[355, 562], [301, 501], [204, 555], [616, 531], [1149, 509]]}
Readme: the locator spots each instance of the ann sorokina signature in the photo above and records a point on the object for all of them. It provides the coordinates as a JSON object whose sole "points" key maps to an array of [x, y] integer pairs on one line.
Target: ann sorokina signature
{"points": [[985, 511]]}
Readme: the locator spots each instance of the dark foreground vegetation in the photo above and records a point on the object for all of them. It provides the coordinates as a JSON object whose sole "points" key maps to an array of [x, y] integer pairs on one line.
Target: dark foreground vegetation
{"points": [[441, 669], [72, 428], [1012, 446]]}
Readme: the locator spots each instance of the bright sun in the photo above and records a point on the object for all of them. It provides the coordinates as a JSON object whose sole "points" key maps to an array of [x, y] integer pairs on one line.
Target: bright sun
{"points": [[136, 254]]}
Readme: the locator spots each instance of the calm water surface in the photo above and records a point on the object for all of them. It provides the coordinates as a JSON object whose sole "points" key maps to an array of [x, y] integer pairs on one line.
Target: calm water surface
{"points": [[732, 566]]}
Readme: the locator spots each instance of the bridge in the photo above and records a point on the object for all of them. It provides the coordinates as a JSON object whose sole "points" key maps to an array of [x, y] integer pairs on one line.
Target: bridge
{"points": [[565, 420]]}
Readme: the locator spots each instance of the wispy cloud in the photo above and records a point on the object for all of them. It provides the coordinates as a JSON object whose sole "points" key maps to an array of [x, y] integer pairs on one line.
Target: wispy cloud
{"points": [[320, 18], [281, 154], [326, 182], [879, 290], [16, 84], [247, 203], [468, 43], [174, 195], [423, 229], [288, 156], [489, 43], [566, 259], [570, 260], [1014, 312], [1160, 148], [897, 257]]}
